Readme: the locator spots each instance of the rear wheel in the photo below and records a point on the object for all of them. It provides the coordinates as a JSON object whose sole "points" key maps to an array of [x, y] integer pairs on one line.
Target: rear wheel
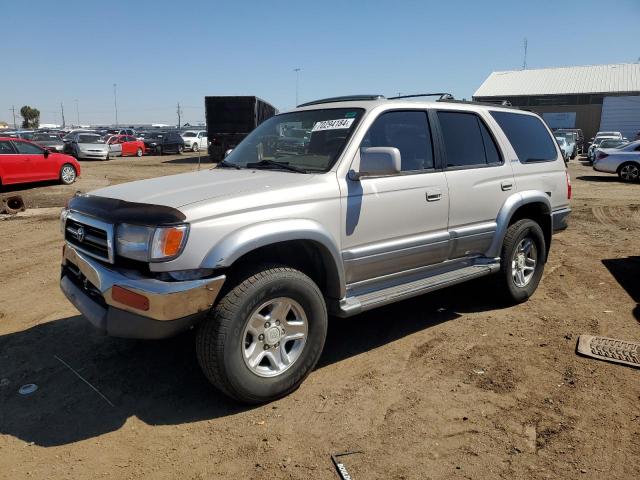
{"points": [[265, 336], [629, 172], [68, 174], [521, 261]]}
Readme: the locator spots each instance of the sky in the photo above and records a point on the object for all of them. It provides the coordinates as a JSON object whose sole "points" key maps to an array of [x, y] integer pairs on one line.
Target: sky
{"points": [[162, 52]]}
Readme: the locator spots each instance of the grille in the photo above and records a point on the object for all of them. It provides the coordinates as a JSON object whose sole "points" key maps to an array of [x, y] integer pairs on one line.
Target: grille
{"points": [[88, 238]]}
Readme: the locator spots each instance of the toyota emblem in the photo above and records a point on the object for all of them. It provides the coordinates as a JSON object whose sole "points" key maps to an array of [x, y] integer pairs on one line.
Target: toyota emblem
{"points": [[80, 234]]}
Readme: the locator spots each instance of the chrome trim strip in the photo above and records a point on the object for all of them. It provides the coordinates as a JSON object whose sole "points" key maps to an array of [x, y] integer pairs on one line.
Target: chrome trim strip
{"points": [[388, 246], [167, 300]]}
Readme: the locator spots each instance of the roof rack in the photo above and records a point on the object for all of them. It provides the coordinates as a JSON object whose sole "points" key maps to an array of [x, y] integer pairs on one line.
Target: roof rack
{"points": [[346, 98], [443, 96], [496, 103]]}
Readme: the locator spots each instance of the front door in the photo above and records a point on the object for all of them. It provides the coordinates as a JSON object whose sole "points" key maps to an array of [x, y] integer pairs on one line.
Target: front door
{"points": [[479, 181], [35, 166], [396, 223]]}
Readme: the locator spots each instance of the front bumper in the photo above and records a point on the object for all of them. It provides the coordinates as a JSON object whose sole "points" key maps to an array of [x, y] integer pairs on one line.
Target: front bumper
{"points": [[172, 306], [98, 155]]}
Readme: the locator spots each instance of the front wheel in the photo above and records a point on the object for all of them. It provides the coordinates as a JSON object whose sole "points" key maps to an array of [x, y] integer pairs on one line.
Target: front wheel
{"points": [[521, 261], [68, 174], [159, 151], [180, 149], [195, 147], [629, 172], [139, 152], [265, 336]]}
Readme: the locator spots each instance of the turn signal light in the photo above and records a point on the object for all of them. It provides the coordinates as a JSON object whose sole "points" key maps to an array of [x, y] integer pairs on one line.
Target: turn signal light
{"points": [[129, 298], [168, 241]]}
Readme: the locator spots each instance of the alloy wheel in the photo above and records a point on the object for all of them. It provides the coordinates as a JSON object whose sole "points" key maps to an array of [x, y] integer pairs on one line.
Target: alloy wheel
{"points": [[523, 262]]}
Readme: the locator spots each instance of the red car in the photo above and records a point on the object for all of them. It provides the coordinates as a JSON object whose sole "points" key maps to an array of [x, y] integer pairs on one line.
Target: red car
{"points": [[22, 161], [130, 145]]}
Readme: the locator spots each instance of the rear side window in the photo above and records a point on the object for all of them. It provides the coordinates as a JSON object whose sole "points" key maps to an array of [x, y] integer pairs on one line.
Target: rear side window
{"points": [[467, 141], [528, 136], [5, 148]]}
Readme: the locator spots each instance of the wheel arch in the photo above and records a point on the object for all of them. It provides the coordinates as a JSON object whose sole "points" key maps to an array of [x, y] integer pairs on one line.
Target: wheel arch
{"points": [[302, 244], [528, 204]]}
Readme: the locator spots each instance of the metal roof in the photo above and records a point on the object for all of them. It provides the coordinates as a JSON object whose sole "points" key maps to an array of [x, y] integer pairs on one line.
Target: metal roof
{"points": [[620, 77]]}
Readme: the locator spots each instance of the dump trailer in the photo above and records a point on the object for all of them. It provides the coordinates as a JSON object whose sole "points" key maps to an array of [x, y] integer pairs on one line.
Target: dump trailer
{"points": [[230, 119]]}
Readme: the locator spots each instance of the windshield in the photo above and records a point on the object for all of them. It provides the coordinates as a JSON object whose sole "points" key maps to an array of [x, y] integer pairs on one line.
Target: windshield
{"points": [[189, 134], [309, 141], [90, 139], [150, 136]]}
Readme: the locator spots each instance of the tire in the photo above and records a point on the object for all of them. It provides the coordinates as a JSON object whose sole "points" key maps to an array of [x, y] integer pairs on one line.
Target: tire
{"points": [[519, 290], [629, 172], [573, 154], [68, 174], [139, 152], [226, 337], [180, 149], [195, 147], [159, 151]]}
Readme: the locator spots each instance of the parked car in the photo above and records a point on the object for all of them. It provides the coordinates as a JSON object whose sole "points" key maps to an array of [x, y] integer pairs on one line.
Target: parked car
{"points": [[120, 131], [89, 146], [390, 199], [163, 142], [50, 141], [126, 145], [581, 146], [564, 146], [22, 161], [623, 161], [571, 139], [195, 140], [72, 134], [598, 139]]}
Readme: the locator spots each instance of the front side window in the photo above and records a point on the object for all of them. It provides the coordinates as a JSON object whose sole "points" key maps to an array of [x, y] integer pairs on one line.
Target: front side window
{"points": [[5, 148], [305, 141], [528, 136], [408, 132], [28, 148], [467, 141]]}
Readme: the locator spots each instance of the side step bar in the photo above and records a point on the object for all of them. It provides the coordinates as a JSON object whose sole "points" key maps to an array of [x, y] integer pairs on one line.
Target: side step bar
{"points": [[356, 304]]}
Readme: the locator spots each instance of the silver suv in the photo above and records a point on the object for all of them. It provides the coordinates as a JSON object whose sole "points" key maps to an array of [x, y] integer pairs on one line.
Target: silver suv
{"points": [[337, 207]]}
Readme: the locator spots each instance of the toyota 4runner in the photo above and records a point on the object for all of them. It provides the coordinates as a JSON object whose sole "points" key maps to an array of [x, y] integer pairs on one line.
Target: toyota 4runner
{"points": [[337, 207]]}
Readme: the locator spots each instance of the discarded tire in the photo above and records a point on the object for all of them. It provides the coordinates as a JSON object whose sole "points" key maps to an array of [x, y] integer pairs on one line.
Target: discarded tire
{"points": [[12, 204]]}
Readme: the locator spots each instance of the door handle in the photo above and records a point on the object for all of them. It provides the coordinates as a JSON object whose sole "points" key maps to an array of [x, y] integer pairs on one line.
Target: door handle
{"points": [[434, 195], [506, 186]]}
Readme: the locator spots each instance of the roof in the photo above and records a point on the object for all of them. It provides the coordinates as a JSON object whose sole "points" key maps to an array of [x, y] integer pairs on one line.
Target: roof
{"points": [[614, 78]]}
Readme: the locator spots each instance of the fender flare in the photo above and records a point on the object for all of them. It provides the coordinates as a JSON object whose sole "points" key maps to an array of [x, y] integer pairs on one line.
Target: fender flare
{"points": [[244, 240], [509, 207]]}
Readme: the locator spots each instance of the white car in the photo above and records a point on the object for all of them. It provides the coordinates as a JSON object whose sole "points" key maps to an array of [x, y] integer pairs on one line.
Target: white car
{"points": [[624, 161], [195, 140]]}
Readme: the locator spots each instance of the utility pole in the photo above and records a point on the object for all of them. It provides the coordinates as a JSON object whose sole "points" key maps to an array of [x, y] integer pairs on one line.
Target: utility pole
{"points": [[115, 101], [77, 112], [13, 109], [297, 70], [524, 62], [179, 112], [62, 112]]}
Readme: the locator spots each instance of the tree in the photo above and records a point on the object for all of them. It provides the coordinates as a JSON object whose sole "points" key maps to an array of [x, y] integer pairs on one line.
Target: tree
{"points": [[31, 117]]}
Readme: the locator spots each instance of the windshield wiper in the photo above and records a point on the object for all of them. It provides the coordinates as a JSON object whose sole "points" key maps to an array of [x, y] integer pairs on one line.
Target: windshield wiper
{"points": [[225, 164], [286, 166]]}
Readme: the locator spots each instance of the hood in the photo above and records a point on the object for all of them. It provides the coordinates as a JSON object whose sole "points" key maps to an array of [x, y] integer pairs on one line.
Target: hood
{"points": [[187, 188]]}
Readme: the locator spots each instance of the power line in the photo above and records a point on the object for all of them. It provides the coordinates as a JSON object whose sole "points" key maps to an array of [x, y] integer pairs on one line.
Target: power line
{"points": [[179, 112], [115, 101], [524, 62], [13, 109], [297, 70], [62, 112]]}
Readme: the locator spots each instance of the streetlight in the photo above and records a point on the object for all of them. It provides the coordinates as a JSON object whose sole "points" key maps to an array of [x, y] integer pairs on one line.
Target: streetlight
{"points": [[115, 101], [77, 112], [297, 70]]}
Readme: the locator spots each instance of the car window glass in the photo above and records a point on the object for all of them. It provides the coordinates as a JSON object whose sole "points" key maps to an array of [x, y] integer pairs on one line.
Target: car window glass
{"points": [[463, 139], [406, 131], [528, 136], [5, 148], [28, 148]]}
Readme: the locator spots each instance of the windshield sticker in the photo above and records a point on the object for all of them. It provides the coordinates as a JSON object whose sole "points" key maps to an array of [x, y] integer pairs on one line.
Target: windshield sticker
{"points": [[332, 124], [350, 114]]}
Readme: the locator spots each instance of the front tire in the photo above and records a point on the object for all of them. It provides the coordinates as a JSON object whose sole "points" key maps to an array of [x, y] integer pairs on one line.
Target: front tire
{"points": [[68, 174], [264, 336], [195, 147], [521, 261], [159, 151], [180, 149], [139, 152]]}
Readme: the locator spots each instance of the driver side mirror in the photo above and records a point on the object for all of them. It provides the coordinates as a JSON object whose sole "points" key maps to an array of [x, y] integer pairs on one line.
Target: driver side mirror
{"points": [[377, 162]]}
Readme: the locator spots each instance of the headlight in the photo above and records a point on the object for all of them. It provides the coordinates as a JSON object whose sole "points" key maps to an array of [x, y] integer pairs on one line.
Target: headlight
{"points": [[149, 244]]}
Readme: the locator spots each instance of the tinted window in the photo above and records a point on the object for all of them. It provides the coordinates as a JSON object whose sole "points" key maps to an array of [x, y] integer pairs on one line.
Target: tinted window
{"points": [[5, 148], [528, 136], [406, 131], [466, 140], [28, 148]]}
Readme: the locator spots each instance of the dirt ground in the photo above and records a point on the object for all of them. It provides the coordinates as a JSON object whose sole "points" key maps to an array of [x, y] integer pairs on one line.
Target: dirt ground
{"points": [[448, 385]]}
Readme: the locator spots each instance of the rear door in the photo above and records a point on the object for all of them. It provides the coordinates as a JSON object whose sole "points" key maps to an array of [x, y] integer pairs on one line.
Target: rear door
{"points": [[13, 167], [478, 178]]}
